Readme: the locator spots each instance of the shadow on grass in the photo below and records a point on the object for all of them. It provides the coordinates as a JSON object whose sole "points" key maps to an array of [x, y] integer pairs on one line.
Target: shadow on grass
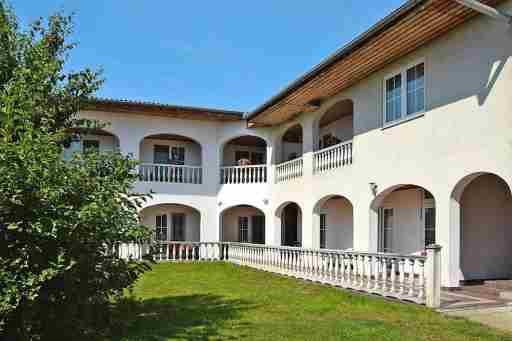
{"points": [[190, 317]]}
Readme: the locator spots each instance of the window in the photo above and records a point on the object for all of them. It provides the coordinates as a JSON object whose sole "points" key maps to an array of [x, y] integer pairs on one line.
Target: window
{"points": [[387, 230], [430, 226], [161, 227], [91, 146], [178, 227], [178, 155], [404, 94], [161, 154], [243, 229], [323, 231]]}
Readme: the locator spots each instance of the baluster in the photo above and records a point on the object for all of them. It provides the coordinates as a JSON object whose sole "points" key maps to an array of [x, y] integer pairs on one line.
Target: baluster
{"points": [[392, 289], [421, 285], [384, 275], [411, 277], [369, 273], [363, 271]]}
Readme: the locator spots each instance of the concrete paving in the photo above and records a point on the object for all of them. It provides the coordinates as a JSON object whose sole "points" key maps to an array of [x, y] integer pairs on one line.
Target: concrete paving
{"points": [[499, 318]]}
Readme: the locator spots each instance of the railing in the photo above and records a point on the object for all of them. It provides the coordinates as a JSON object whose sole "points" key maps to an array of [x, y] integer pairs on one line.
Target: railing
{"points": [[154, 172], [174, 251], [400, 276], [289, 170], [243, 174], [333, 157], [404, 277]]}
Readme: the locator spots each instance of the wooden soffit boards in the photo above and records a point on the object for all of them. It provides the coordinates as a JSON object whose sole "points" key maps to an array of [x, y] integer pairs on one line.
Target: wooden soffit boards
{"points": [[163, 110], [422, 24]]}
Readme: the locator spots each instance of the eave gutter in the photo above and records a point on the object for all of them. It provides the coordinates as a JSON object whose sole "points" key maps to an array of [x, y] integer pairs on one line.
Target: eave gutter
{"points": [[339, 54], [487, 10]]}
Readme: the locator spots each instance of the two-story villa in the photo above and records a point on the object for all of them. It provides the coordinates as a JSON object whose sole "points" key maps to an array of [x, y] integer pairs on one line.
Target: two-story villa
{"points": [[401, 139]]}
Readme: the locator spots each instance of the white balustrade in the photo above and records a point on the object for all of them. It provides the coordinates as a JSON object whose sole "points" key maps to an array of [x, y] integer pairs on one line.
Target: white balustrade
{"points": [[333, 157], [400, 276], [404, 277], [289, 170], [253, 174], [153, 172]]}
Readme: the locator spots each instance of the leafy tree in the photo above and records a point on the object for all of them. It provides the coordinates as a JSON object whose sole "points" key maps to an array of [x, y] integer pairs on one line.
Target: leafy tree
{"points": [[59, 220]]}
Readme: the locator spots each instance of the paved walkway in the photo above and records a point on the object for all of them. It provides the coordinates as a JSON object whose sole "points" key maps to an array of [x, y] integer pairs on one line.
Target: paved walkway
{"points": [[481, 303]]}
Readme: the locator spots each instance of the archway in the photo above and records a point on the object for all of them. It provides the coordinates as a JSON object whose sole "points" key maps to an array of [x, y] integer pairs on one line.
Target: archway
{"points": [[243, 224], [290, 218], [170, 158], [244, 160], [83, 141], [334, 223], [171, 222], [291, 143], [406, 219], [336, 125], [484, 205]]}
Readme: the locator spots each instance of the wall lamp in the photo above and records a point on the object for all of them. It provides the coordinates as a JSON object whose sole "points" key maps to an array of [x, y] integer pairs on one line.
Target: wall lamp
{"points": [[373, 188]]}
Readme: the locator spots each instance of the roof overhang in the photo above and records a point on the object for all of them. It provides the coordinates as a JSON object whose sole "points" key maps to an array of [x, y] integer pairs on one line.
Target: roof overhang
{"points": [[414, 24], [165, 110]]}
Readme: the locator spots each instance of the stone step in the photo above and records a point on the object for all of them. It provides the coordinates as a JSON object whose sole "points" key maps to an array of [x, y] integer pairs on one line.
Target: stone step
{"points": [[506, 295]]}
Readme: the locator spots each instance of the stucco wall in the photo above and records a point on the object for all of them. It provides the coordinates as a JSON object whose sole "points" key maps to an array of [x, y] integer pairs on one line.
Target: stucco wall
{"points": [[340, 224]]}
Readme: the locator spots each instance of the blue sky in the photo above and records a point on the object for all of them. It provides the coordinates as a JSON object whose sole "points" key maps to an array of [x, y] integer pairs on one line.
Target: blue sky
{"points": [[223, 54]]}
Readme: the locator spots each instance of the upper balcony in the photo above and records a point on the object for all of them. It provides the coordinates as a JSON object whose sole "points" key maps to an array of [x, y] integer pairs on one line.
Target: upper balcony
{"points": [[167, 158], [244, 161], [333, 134]]}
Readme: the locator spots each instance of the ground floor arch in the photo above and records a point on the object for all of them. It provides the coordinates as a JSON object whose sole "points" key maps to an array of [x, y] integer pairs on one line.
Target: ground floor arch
{"points": [[482, 211], [173, 222], [289, 221], [244, 224], [333, 221], [406, 219]]}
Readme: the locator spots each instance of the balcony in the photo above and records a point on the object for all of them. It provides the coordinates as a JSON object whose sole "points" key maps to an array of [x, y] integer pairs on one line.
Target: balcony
{"points": [[163, 173], [337, 156], [243, 174], [289, 170]]}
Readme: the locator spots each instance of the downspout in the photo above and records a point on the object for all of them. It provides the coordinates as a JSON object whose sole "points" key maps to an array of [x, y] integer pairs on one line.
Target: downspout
{"points": [[487, 10]]}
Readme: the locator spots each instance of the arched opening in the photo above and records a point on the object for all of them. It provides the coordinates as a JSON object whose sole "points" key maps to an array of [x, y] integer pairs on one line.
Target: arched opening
{"points": [[243, 224], [336, 125], [291, 143], [92, 140], [484, 205], [172, 222], [170, 158], [334, 223], [244, 160], [290, 218], [406, 219]]}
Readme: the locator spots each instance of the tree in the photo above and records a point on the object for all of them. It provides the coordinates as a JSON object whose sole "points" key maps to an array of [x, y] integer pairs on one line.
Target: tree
{"points": [[59, 220]]}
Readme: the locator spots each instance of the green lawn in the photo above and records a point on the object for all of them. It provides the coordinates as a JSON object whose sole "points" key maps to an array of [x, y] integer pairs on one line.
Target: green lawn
{"points": [[219, 301]]}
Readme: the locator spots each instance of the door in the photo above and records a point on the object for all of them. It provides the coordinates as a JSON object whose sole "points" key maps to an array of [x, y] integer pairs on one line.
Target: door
{"points": [[258, 229], [289, 228], [178, 227]]}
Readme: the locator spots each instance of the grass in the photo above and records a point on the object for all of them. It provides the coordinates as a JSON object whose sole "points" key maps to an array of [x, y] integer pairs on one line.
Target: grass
{"points": [[219, 301]]}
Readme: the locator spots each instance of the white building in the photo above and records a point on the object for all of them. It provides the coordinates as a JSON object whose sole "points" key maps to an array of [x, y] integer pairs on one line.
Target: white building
{"points": [[401, 139]]}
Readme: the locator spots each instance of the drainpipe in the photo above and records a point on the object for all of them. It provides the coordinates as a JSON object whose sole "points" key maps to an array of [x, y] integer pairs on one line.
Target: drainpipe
{"points": [[487, 10]]}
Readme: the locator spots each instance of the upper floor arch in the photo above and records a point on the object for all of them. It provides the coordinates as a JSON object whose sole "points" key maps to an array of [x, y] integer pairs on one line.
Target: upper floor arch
{"points": [[334, 125]]}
